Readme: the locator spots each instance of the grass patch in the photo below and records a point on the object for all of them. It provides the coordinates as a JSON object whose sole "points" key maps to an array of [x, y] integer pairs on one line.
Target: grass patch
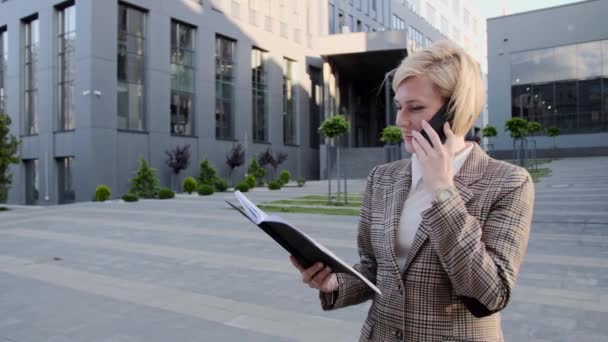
{"points": [[310, 210], [355, 204], [351, 197], [539, 173]]}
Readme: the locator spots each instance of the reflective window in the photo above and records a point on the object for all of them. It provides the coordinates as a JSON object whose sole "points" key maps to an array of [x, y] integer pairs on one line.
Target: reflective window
{"points": [[224, 87], [588, 60], [183, 78], [259, 86], [30, 104], [66, 68], [65, 184], [289, 102], [3, 67], [130, 68]]}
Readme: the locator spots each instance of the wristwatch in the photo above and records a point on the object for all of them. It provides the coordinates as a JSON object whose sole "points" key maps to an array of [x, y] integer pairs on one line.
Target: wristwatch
{"points": [[444, 194]]}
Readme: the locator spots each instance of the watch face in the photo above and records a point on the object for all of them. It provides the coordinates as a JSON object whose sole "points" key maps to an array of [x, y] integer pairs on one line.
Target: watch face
{"points": [[445, 194]]}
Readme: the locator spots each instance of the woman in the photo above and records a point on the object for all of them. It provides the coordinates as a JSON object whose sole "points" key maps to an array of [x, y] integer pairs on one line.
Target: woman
{"points": [[442, 235]]}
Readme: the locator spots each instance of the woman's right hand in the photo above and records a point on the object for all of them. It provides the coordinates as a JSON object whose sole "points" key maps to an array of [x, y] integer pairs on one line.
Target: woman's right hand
{"points": [[317, 276]]}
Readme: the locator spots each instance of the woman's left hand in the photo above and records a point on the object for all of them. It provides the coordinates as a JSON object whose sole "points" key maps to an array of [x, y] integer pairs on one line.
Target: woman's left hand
{"points": [[436, 160]]}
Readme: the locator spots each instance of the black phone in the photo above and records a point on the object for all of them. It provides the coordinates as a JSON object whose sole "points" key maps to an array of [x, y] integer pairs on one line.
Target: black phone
{"points": [[437, 121]]}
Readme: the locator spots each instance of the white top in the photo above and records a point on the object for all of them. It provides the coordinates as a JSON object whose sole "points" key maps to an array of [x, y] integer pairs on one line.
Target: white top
{"points": [[419, 199]]}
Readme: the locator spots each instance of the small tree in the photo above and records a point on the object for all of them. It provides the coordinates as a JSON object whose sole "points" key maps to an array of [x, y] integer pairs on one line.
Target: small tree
{"points": [[534, 127], [332, 128], [267, 158], [8, 155], [489, 132], [235, 158], [518, 130], [391, 135], [553, 132], [144, 184], [178, 159], [207, 174]]}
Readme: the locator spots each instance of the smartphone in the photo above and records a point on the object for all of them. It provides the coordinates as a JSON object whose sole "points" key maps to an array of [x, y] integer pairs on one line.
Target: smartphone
{"points": [[437, 121]]}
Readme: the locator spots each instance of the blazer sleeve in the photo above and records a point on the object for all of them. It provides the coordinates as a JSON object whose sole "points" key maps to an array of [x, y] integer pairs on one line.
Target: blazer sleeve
{"points": [[482, 262], [352, 290]]}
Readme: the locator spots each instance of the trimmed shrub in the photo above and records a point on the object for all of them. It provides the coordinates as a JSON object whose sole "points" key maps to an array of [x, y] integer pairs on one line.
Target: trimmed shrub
{"points": [[207, 174], [242, 187], [102, 193], [205, 190], [257, 171], [130, 198], [221, 185], [284, 177], [145, 183], [301, 182], [166, 193], [250, 181], [189, 185], [274, 185]]}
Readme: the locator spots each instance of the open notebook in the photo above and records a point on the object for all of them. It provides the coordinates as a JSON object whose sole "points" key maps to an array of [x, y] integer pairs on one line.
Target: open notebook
{"points": [[304, 248]]}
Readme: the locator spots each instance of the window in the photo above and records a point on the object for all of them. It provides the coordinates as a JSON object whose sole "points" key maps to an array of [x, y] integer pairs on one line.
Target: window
{"points": [[32, 181], [289, 102], [66, 54], [3, 67], [64, 180], [130, 73], [32, 39], [430, 14], [225, 50], [341, 21], [562, 86], [373, 4], [416, 40], [359, 26], [259, 86], [183, 78], [398, 23], [445, 26], [332, 19], [465, 18]]}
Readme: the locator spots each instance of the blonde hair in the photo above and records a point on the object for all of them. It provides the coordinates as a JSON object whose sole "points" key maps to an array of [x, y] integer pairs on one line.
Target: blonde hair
{"points": [[455, 76]]}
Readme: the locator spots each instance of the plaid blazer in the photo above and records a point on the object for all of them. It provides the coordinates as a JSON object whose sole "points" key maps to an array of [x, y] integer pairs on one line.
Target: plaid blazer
{"points": [[463, 261]]}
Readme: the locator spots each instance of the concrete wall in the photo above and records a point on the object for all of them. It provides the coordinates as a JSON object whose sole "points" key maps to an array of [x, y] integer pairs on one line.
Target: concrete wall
{"points": [[104, 155], [563, 25]]}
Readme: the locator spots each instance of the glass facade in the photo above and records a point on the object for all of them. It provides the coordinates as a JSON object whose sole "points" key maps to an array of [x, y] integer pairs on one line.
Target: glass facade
{"points": [[289, 97], [64, 180], [30, 68], [183, 76], [259, 87], [416, 40], [66, 38], [398, 23], [131, 62], [563, 86], [3, 66], [225, 50]]}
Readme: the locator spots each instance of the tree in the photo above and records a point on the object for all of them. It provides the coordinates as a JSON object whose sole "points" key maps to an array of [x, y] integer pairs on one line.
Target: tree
{"points": [[178, 159], [8, 155], [489, 131], [553, 132], [534, 127], [518, 130], [144, 184], [267, 158], [235, 158], [332, 128], [391, 136]]}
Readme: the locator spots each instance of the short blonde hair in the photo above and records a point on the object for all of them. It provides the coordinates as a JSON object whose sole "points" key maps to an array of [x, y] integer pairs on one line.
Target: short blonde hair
{"points": [[455, 76]]}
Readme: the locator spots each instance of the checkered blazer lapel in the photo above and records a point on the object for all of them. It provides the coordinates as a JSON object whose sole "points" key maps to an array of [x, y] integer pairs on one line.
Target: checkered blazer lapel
{"points": [[394, 201], [472, 170]]}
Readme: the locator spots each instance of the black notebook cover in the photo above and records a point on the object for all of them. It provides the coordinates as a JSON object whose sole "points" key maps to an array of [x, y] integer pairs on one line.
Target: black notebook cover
{"points": [[306, 250]]}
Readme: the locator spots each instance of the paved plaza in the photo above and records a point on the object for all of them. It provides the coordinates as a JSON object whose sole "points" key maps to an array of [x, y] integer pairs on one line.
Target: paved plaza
{"points": [[189, 269]]}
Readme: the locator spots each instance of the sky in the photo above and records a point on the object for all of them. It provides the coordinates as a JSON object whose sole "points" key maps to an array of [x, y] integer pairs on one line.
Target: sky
{"points": [[493, 8]]}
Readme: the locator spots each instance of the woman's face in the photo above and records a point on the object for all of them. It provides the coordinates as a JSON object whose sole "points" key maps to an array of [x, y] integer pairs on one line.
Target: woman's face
{"points": [[415, 101]]}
